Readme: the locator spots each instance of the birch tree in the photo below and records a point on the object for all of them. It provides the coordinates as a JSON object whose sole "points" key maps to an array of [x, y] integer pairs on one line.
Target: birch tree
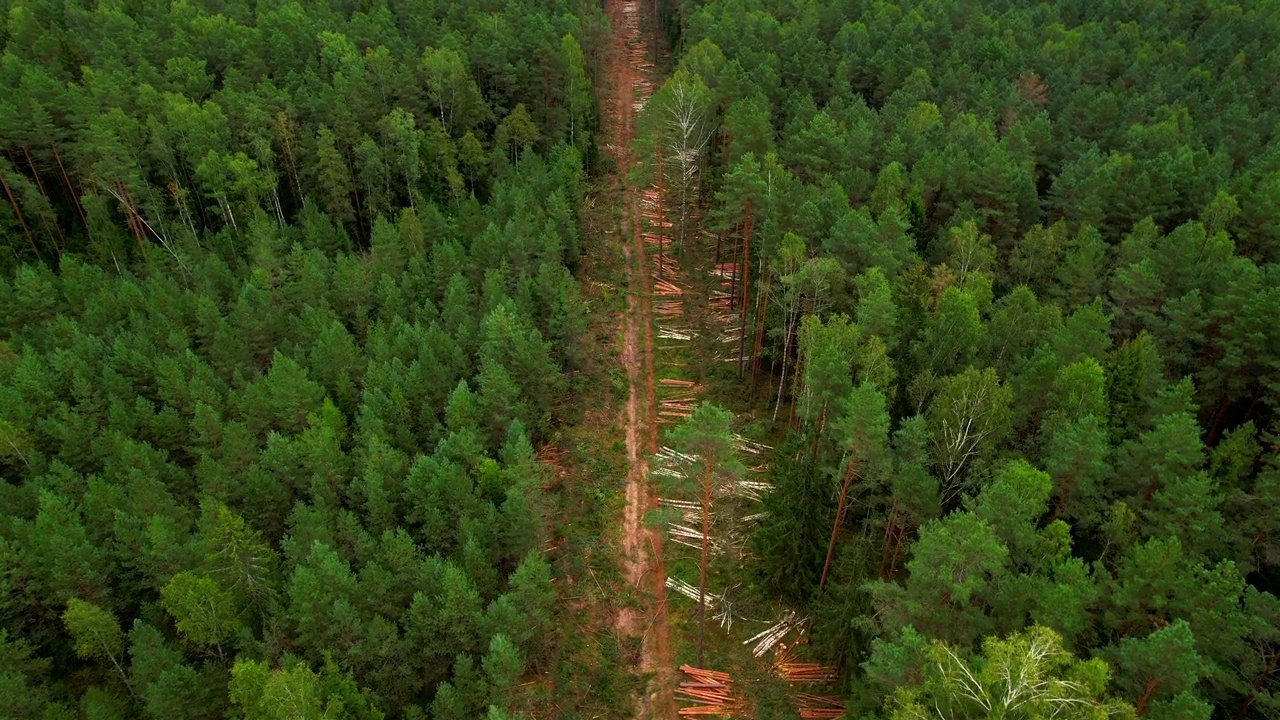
{"points": [[452, 91], [806, 282], [1027, 676], [577, 89], [96, 635], [685, 105], [968, 417]]}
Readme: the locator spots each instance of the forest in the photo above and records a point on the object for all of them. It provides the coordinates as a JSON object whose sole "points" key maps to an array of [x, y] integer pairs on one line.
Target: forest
{"points": [[1007, 275], [288, 305], [297, 300]]}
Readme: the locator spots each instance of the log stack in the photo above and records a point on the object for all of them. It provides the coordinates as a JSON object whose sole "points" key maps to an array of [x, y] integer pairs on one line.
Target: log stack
{"points": [[808, 705], [819, 707], [708, 692]]}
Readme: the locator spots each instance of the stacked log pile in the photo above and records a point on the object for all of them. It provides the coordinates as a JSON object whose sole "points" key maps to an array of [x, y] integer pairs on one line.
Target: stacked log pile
{"points": [[708, 692], [810, 706]]}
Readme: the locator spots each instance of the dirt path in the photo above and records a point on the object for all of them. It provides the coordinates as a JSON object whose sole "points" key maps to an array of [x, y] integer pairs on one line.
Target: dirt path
{"points": [[627, 88]]}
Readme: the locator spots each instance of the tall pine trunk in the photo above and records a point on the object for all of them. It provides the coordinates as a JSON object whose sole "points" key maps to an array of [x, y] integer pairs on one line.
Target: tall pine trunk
{"points": [[746, 285], [35, 172], [17, 211], [849, 474], [786, 356], [734, 283], [702, 565], [661, 200]]}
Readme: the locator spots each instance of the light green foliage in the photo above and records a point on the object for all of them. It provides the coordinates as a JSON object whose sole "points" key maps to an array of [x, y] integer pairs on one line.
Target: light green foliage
{"points": [[296, 692], [96, 631], [1026, 675], [577, 92], [709, 467], [968, 417], [237, 554], [205, 613], [516, 131]]}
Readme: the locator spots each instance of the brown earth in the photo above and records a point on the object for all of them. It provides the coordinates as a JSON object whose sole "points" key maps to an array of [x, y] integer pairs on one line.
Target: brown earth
{"points": [[627, 84]]}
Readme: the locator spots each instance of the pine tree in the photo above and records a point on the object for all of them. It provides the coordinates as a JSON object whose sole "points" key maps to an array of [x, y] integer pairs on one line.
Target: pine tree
{"points": [[706, 438]]}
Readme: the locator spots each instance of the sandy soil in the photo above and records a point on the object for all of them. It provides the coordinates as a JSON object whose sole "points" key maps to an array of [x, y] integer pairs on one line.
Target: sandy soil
{"points": [[628, 85]]}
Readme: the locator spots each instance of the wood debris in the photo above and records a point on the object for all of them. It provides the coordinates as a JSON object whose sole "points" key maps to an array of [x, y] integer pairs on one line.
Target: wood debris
{"points": [[771, 636], [691, 592], [553, 458], [751, 489], [751, 446], [691, 537], [662, 287], [690, 512], [786, 667], [709, 693], [669, 456], [670, 308], [819, 707]]}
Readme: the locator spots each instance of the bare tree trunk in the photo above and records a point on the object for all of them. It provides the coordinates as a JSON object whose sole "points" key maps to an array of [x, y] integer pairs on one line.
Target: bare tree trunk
{"points": [[786, 356], [661, 207], [66, 179], [275, 200], [684, 201], [702, 566], [733, 280], [890, 537], [746, 288], [795, 375], [124, 677], [1147, 693], [761, 306], [135, 218]]}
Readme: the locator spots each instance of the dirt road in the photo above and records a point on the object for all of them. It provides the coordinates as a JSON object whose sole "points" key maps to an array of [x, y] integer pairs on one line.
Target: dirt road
{"points": [[628, 87]]}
